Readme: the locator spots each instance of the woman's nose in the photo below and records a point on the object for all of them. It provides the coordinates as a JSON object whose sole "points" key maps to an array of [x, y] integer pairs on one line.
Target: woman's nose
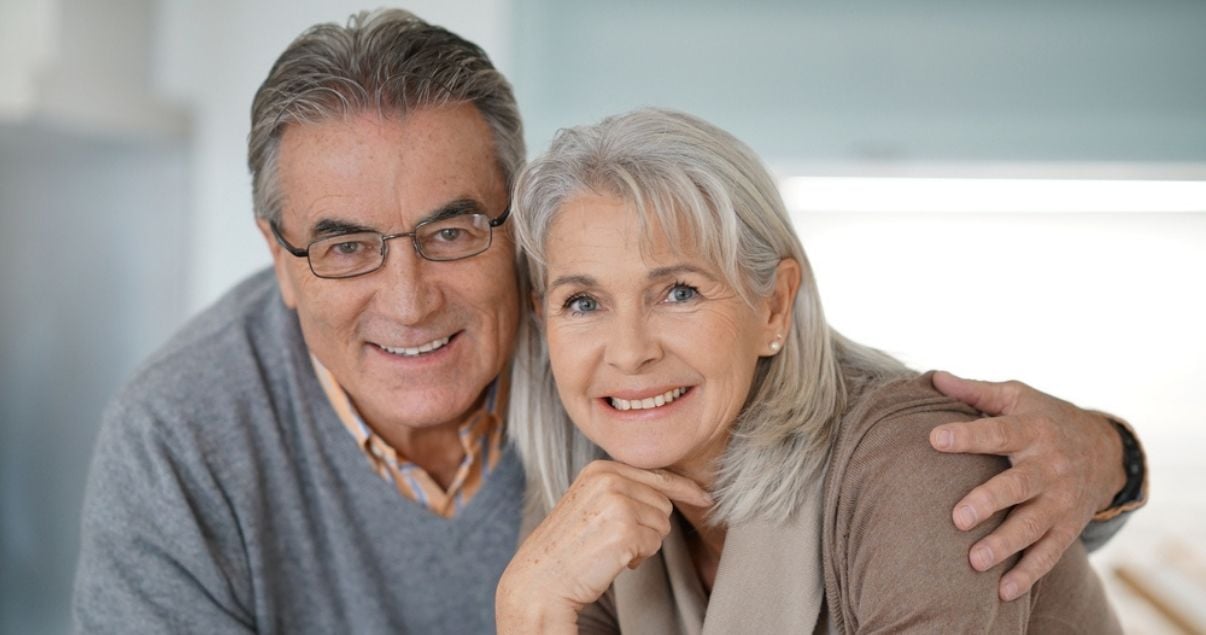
{"points": [[632, 345]]}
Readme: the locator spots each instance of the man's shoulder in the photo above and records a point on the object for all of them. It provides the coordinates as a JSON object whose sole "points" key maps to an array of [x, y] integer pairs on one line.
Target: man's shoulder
{"points": [[234, 350]]}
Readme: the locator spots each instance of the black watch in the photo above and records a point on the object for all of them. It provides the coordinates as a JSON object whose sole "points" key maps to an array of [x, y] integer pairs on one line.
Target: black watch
{"points": [[1132, 464]]}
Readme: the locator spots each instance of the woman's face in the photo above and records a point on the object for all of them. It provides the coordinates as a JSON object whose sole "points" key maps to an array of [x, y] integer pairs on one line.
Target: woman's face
{"points": [[653, 352]]}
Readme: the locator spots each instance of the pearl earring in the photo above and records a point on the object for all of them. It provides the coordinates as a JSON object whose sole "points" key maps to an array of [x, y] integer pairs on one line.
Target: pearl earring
{"points": [[775, 345]]}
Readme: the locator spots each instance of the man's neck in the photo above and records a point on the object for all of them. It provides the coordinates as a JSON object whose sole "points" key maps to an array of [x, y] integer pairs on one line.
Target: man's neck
{"points": [[437, 449]]}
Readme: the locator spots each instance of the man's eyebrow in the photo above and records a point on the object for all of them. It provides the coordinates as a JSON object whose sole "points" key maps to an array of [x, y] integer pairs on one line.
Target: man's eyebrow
{"points": [[334, 227], [674, 270], [455, 208]]}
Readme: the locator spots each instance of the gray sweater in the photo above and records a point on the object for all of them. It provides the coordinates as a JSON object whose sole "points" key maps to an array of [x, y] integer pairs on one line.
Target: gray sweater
{"points": [[226, 496]]}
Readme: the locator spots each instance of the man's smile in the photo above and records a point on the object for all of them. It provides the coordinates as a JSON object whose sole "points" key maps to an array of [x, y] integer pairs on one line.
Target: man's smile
{"points": [[415, 351]]}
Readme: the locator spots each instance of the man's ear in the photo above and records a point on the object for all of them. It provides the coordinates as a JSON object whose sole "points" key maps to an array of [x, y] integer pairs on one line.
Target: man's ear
{"points": [[777, 307], [280, 263]]}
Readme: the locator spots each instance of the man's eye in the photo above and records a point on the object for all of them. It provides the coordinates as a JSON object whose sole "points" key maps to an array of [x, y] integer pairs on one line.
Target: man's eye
{"points": [[682, 293], [581, 304], [450, 234], [349, 248]]}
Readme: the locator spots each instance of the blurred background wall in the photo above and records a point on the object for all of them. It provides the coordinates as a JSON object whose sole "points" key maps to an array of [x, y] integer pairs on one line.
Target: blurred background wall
{"points": [[125, 201]]}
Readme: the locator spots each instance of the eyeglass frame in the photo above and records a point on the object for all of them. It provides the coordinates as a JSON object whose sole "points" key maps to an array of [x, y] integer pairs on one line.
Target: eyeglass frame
{"points": [[299, 252]]}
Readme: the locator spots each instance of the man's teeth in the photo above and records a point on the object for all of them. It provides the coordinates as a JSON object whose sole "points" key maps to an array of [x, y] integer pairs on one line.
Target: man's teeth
{"points": [[417, 350], [648, 402]]}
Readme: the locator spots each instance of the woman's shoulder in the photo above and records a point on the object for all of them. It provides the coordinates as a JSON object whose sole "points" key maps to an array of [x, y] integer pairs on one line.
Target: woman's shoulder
{"points": [[887, 515], [895, 417], [911, 398], [882, 444]]}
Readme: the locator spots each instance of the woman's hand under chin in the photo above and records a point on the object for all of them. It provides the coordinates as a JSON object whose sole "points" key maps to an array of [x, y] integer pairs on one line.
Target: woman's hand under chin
{"points": [[613, 516]]}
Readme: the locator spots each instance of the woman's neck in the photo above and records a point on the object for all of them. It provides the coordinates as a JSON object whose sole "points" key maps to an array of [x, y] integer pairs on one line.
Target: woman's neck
{"points": [[705, 543]]}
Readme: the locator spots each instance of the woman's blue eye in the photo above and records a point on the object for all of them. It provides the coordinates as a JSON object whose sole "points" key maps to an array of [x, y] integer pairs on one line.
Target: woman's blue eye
{"points": [[682, 293], [581, 304]]}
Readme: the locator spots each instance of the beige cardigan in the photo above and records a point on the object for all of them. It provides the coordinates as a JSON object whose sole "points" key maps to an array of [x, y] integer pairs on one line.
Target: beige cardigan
{"points": [[888, 560]]}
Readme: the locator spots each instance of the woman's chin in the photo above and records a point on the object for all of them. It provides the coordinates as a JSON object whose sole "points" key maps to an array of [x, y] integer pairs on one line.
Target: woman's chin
{"points": [[644, 458]]}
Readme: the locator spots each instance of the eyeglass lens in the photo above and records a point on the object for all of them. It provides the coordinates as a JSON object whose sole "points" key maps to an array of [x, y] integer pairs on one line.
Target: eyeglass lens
{"points": [[444, 239]]}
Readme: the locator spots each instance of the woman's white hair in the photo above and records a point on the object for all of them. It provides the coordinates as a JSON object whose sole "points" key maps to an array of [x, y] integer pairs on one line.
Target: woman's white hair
{"points": [[705, 188]]}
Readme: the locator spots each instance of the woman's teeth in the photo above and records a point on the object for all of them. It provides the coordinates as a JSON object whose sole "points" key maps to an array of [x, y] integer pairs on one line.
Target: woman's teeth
{"points": [[418, 350], [648, 402]]}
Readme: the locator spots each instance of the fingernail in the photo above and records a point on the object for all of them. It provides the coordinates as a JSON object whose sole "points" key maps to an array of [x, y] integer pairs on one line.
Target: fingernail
{"points": [[967, 517], [1010, 591], [982, 558], [944, 439]]}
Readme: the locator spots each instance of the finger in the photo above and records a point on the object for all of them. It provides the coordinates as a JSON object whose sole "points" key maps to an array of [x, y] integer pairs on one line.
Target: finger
{"points": [[1024, 526], [1038, 561], [986, 396], [650, 517], [1011, 487], [621, 480], [996, 435], [600, 478], [673, 486], [648, 543]]}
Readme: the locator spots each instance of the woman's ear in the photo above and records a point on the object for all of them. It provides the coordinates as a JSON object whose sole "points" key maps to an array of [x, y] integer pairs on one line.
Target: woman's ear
{"points": [[777, 309]]}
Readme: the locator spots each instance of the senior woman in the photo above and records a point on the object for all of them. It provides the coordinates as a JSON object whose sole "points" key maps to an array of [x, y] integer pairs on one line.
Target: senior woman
{"points": [[707, 453]]}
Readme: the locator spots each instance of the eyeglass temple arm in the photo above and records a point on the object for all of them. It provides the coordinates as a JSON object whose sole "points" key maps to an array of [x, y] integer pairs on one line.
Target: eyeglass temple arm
{"points": [[276, 233], [502, 218]]}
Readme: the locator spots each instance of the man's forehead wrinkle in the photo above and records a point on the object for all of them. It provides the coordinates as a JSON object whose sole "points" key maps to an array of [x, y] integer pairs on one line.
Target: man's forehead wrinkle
{"points": [[328, 212]]}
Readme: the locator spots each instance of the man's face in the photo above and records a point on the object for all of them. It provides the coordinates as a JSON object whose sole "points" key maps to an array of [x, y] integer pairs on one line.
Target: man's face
{"points": [[388, 174]]}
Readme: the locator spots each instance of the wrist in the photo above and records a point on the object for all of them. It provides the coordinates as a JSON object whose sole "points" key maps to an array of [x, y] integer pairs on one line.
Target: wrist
{"points": [[520, 608], [1115, 459], [1134, 467], [1127, 472]]}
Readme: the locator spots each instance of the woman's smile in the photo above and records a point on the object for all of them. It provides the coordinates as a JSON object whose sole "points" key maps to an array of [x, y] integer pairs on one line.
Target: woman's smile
{"points": [[654, 399]]}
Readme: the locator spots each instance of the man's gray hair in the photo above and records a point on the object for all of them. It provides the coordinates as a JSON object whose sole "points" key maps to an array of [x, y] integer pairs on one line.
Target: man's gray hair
{"points": [[388, 61], [707, 189]]}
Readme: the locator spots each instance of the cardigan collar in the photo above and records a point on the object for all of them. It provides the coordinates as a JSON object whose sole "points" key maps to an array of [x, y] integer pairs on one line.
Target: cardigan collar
{"points": [[757, 590]]}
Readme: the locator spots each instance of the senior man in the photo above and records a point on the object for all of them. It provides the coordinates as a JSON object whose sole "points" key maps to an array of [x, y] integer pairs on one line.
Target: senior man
{"points": [[323, 449]]}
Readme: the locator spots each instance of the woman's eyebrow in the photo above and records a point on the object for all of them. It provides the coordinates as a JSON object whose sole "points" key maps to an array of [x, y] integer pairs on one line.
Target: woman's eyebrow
{"points": [[576, 280], [674, 270]]}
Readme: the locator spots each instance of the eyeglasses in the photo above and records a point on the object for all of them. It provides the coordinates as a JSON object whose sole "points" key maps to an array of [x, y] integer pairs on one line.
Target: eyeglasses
{"points": [[357, 253]]}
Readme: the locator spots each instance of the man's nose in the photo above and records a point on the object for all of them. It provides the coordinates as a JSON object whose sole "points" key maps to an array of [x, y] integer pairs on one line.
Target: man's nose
{"points": [[632, 344], [410, 290]]}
